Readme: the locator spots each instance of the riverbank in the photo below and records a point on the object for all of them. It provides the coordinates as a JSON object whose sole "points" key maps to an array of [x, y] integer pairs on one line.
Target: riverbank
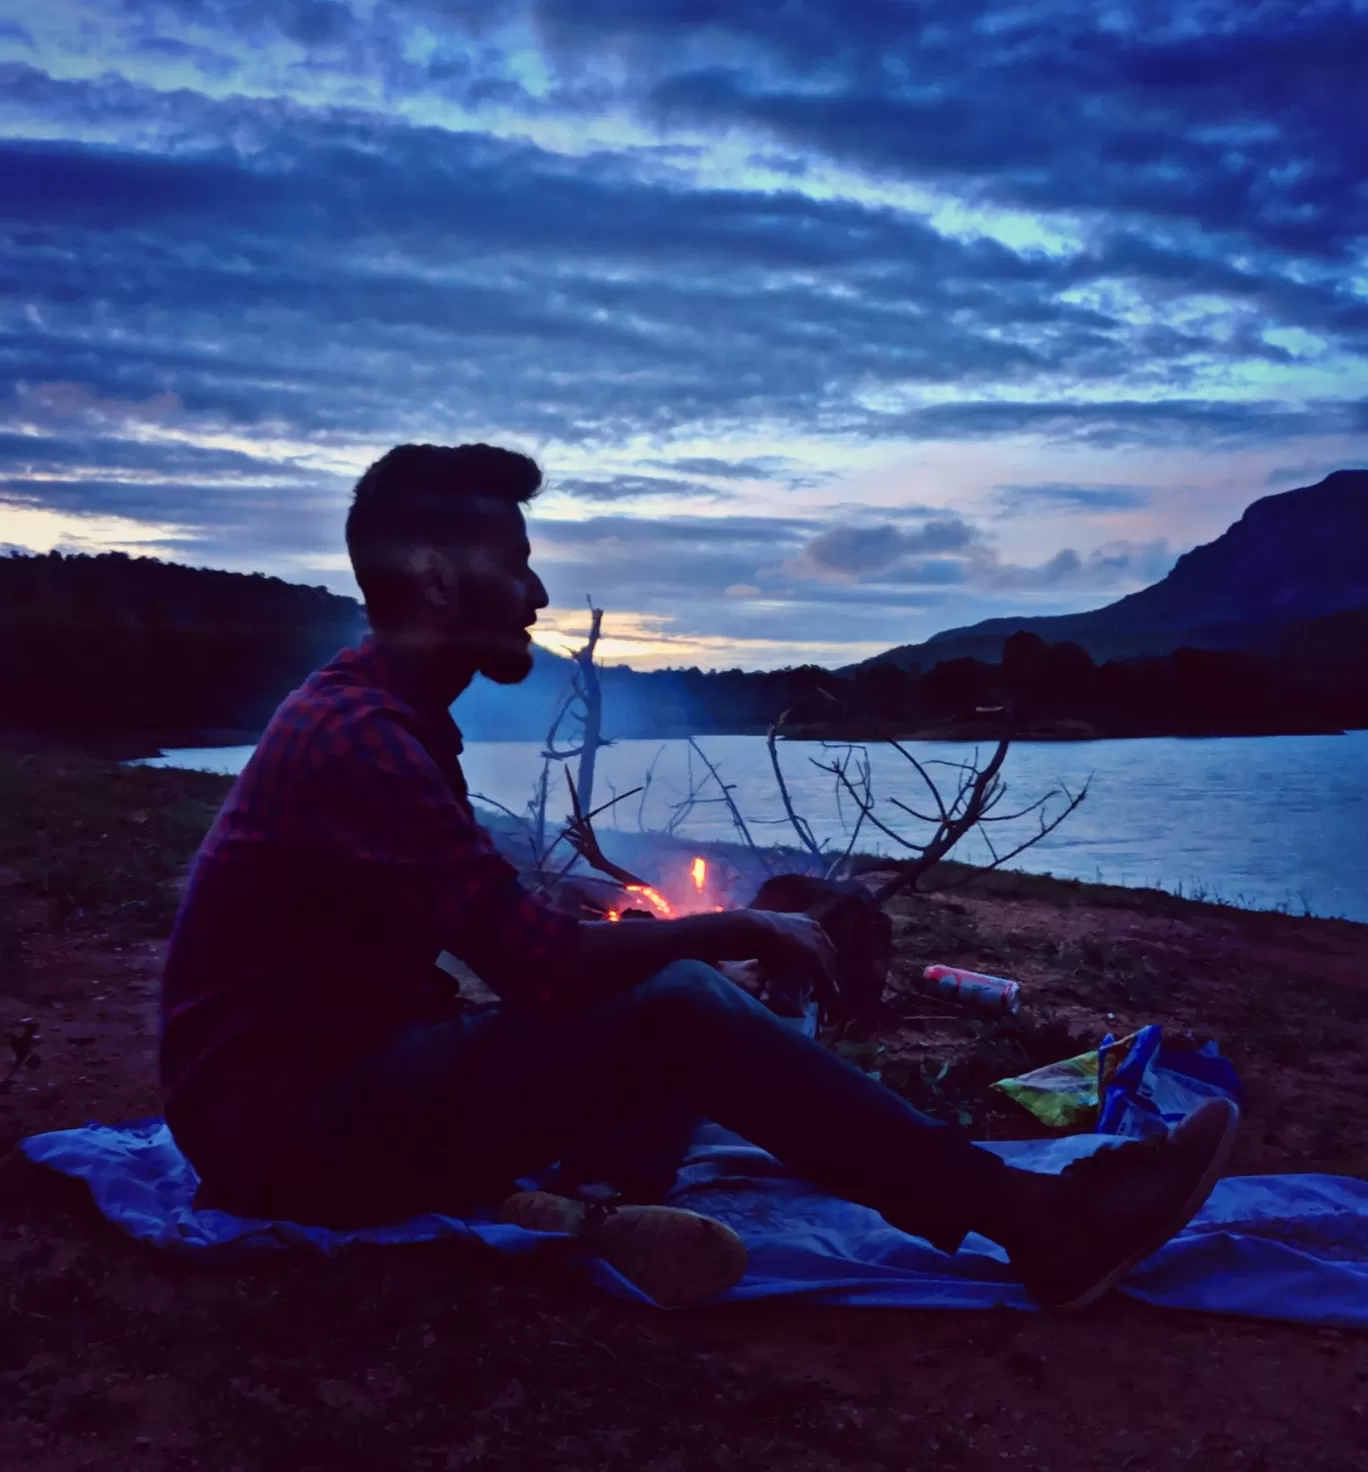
{"points": [[125, 746], [443, 1357], [989, 730], [142, 745]]}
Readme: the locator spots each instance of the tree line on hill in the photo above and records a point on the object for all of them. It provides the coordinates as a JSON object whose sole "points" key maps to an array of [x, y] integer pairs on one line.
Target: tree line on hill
{"points": [[111, 646], [1057, 691], [1060, 690]]}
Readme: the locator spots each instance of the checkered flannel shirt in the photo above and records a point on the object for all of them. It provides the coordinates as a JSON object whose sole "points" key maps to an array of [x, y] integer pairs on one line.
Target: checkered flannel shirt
{"points": [[344, 861]]}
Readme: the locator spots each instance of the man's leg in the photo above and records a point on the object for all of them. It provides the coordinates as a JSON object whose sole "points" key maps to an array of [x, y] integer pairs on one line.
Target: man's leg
{"points": [[465, 1108], [462, 1110]]}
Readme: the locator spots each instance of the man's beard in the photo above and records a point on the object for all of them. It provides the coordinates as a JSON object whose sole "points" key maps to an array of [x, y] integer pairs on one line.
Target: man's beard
{"points": [[506, 666]]}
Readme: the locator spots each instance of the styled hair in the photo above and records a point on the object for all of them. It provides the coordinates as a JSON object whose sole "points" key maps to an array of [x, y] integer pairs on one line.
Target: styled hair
{"points": [[437, 495]]}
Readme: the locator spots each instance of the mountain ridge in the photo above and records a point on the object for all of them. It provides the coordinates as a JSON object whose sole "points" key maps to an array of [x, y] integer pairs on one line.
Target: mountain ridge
{"points": [[1292, 556]]}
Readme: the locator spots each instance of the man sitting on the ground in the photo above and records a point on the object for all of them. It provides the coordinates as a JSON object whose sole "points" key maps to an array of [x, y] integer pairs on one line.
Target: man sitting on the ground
{"points": [[316, 1063]]}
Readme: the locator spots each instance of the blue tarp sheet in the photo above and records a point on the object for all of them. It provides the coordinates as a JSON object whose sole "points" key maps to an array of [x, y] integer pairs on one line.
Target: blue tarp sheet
{"points": [[1284, 1247]]}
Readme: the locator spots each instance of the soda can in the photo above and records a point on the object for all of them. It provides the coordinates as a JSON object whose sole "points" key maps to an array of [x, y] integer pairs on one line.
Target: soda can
{"points": [[991, 995]]}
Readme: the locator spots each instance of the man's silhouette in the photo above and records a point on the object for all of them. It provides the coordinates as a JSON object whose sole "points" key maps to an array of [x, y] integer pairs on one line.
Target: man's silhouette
{"points": [[316, 1064]]}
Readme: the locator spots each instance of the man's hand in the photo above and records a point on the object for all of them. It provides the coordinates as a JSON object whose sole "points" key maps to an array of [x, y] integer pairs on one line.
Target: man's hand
{"points": [[794, 949]]}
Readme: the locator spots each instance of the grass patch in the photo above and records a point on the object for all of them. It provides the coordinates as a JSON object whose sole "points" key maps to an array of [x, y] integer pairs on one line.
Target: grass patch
{"points": [[958, 1089], [100, 843]]}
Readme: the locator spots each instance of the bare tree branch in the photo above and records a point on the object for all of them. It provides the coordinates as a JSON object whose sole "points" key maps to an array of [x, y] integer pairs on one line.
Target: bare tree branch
{"points": [[875, 822], [1022, 812], [1044, 830], [591, 699], [737, 820], [863, 797], [646, 791], [580, 835], [680, 810], [964, 815], [552, 753], [519, 818], [800, 827], [912, 812], [878, 731]]}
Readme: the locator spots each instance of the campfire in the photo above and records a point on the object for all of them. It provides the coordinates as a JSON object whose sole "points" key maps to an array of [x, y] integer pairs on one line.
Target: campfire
{"points": [[694, 902], [852, 916]]}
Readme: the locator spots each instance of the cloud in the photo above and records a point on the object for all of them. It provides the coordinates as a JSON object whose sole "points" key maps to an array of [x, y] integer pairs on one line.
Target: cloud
{"points": [[360, 272], [632, 488], [951, 552], [1196, 120], [1110, 566], [1221, 423], [723, 254], [39, 455], [57, 403], [761, 467], [1049, 496], [855, 552], [1308, 473]]}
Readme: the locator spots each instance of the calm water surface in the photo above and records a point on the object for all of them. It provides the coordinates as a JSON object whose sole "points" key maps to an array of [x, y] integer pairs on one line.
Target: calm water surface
{"points": [[1265, 822]]}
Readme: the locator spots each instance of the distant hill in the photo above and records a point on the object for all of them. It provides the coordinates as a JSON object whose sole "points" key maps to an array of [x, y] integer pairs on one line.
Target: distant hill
{"points": [[1296, 556], [115, 645], [140, 653], [1263, 630]]}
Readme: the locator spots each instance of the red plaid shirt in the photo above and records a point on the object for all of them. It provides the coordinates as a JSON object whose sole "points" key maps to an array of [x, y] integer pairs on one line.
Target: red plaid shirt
{"points": [[344, 861]]}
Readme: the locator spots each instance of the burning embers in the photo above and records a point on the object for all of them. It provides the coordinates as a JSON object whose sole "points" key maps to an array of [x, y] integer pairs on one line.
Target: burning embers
{"points": [[659, 905], [851, 915]]}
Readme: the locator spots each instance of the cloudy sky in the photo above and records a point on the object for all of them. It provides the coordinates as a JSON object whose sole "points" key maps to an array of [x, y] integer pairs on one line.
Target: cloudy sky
{"points": [[833, 322]]}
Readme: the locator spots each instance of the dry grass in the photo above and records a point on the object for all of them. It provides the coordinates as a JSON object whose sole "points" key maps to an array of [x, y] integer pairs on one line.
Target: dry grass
{"points": [[447, 1356]]}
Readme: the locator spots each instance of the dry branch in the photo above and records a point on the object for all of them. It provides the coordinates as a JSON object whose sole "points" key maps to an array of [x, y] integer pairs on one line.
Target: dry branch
{"points": [[799, 825], [737, 820], [979, 791], [579, 834], [583, 703]]}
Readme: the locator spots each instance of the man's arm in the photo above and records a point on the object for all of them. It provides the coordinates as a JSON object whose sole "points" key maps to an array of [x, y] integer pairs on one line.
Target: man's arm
{"points": [[424, 865], [612, 956]]}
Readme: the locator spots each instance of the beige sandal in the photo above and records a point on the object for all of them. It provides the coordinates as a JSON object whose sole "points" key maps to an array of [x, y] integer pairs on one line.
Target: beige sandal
{"points": [[675, 1257]]}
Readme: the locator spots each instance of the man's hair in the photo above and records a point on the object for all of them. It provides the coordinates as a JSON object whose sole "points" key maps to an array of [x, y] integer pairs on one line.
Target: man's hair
{"points": [[436, 495]]}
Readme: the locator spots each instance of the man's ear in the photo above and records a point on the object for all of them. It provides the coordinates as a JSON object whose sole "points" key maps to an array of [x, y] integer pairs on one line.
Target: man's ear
{"points": [[434, 576]]}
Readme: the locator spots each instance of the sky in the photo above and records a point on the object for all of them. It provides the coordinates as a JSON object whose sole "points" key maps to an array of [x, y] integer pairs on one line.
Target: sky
{"points": [[832, 324]]}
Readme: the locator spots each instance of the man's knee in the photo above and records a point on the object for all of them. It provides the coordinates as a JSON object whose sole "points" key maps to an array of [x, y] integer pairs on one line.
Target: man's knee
{"points": [[691, 989]]}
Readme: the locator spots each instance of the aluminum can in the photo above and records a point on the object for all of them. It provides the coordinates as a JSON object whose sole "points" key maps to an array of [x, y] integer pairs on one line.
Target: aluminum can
{"points": [[994, 996]]}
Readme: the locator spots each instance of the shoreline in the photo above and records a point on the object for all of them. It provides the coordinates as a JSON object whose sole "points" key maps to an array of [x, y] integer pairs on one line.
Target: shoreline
{"points": [[101, 780], [121, 747], [144, 745], [1076, 885], [1030, 733]]}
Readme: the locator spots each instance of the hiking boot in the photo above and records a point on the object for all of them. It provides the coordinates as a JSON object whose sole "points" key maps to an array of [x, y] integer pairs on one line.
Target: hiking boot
{"points": [[1122, 1204], [675, 1257]]}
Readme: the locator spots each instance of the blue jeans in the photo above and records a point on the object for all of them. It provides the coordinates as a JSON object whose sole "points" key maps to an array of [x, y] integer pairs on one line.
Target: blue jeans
{"points": [[452, 1114]]}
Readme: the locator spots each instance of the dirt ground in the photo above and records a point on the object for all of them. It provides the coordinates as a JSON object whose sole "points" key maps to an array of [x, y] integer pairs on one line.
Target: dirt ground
{"points": [[447, 1356]]}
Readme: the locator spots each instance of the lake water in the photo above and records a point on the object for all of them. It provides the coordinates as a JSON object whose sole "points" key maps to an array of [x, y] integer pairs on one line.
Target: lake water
{"points": [[1264, 822]]}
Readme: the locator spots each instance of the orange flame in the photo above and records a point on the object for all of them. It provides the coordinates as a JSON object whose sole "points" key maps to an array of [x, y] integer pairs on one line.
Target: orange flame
{"points": [[658, 901], [699, 870]]}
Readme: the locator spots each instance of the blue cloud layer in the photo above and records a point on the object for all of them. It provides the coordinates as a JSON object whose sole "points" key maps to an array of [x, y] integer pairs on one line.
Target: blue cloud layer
{"points": [[251, 241]]}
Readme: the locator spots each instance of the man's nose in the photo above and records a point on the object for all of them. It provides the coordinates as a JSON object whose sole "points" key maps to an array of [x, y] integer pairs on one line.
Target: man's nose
{"points": [[540, 597]]}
